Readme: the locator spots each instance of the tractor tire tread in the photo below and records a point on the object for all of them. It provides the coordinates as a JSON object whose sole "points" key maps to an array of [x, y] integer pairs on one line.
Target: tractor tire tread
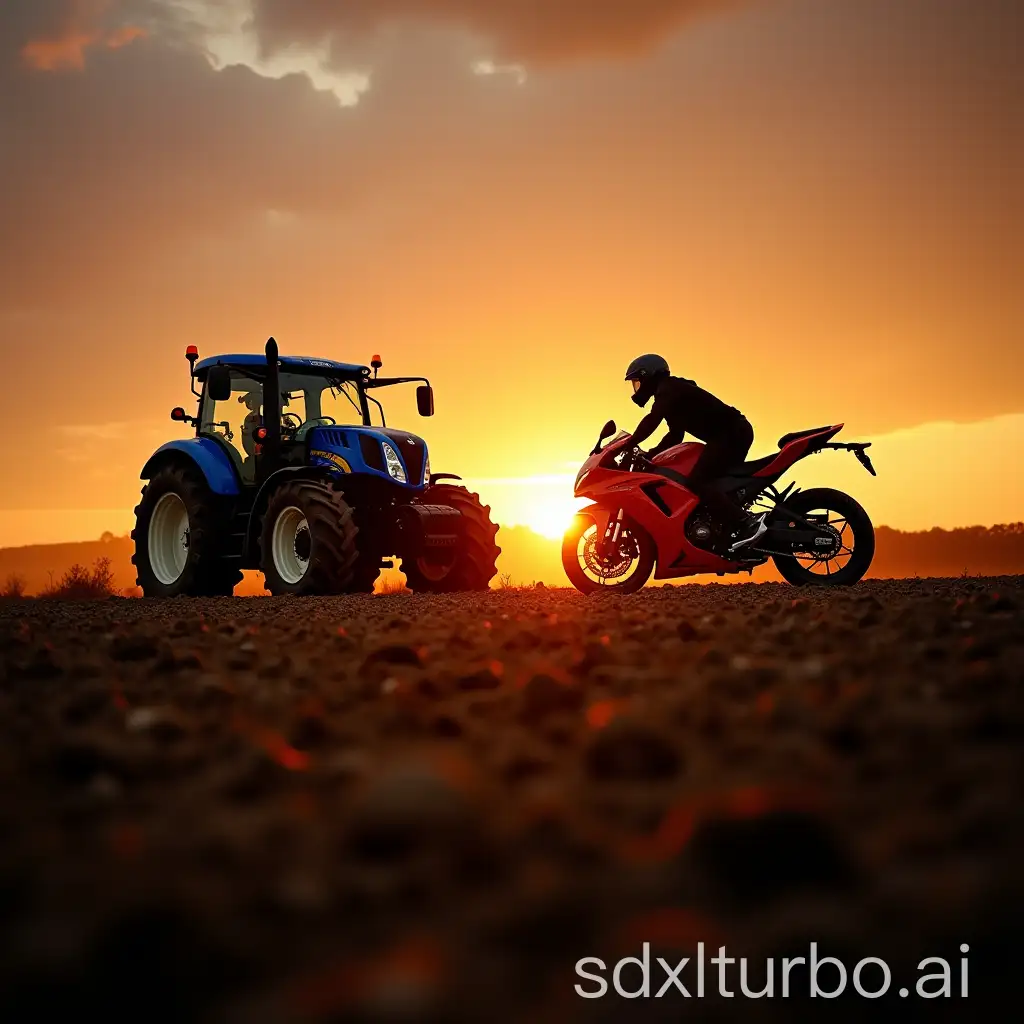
{"points": [[476, 561], [334, 554], [205, 575]]}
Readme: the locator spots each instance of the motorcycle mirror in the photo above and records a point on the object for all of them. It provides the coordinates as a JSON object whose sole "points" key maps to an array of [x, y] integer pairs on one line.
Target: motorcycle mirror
{"points": [[606, 431]]}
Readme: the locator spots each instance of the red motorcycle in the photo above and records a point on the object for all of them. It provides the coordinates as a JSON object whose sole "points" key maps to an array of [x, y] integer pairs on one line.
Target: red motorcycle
{"points": [[644, 518]]}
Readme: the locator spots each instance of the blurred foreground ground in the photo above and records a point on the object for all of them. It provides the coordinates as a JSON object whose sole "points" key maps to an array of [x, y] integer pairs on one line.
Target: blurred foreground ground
{"points": [[429, 808]]}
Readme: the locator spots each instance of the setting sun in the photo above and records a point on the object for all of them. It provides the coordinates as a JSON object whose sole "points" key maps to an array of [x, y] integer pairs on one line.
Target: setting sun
{"points": [[551, 517]]}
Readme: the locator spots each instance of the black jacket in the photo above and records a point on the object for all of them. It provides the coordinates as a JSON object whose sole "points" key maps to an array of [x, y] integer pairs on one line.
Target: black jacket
{"points": [[686, 409]]}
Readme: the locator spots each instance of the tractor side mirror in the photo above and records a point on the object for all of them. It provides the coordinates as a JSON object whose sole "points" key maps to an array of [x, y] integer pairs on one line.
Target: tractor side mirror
{"points": [[178, 414], [218, 384], [425, 400]]}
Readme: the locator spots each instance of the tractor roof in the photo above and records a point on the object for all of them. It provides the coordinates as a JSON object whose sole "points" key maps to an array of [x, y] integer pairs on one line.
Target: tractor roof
{"points": [[289, 364]]}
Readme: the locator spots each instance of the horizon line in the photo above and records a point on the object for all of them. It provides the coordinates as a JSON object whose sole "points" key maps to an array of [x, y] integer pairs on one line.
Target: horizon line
{"points": [[506, 526]]}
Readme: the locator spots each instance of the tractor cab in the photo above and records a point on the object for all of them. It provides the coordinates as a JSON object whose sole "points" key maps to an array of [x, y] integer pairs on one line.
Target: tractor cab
{"points": [[324, 413], [234, 408]]}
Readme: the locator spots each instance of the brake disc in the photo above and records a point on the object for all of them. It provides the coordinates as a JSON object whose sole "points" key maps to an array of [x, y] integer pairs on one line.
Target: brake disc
{"points": [[606, 568]]}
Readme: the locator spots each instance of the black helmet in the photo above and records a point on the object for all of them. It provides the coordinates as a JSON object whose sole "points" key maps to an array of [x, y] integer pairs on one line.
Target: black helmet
{"points": [[646, 372]]}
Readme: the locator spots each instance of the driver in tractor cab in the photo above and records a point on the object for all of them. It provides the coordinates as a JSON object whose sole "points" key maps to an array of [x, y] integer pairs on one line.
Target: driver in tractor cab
{"points": [[253, 401], [725, 431]]}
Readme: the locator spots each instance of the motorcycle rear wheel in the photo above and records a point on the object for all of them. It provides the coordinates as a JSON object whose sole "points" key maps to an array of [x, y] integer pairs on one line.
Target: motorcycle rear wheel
{"points": [[639, 570], [848, 518]]}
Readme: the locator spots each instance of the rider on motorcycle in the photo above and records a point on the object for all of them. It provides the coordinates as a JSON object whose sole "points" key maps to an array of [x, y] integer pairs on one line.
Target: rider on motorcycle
{"points": [[726, 433]]}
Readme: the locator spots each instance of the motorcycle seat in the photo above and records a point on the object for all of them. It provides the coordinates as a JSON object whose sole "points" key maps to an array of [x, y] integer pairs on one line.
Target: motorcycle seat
{"points": [[750, 468], [797, 434]]}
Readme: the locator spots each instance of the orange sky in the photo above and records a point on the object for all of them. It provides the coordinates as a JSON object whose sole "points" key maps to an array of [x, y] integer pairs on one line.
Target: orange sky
{"points": [[813, 207]]}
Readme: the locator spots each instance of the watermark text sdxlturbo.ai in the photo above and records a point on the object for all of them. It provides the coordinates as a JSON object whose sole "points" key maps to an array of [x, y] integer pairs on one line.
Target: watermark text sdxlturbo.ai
{"points": [[824, 977]]}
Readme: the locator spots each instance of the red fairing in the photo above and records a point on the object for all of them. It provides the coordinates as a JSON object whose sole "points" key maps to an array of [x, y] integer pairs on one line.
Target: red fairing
{"points": [[632, 492], [796, 450], [682, 458]]}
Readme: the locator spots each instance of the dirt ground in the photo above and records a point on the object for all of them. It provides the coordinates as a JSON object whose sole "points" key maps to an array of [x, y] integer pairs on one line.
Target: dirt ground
{"points": [[430, 808]]}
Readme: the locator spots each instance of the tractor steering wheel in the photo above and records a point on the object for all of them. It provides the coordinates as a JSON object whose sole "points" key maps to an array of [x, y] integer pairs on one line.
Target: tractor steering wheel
{"points": [[320, 421], [290, 427]]}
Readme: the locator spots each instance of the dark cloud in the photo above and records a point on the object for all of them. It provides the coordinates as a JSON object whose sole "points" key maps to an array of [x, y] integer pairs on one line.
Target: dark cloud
{"points": [[20, 23], [111, 165], [108, 167], [55, 35], [535, 31], [838, 172]]}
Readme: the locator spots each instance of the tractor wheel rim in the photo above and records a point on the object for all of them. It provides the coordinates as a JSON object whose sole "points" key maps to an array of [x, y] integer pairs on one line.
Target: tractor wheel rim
{"points": [[290, 545], [435, 572], [169, 539]]}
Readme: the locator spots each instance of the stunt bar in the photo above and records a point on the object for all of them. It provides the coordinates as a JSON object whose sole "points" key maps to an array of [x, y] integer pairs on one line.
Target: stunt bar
{"points": [[858, 450]]}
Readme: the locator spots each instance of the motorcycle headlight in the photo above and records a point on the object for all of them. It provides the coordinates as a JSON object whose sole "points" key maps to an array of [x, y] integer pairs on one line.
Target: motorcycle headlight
{"points": [[394, 463], [579, 480]]}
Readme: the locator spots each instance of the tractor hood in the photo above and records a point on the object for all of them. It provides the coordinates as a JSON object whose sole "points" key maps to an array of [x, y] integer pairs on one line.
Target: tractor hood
{"points": [[362, 450]]}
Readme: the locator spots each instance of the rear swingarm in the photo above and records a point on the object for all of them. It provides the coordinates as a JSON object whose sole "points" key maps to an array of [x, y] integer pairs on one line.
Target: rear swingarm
{"points": [[790, 533], [783, 540]]}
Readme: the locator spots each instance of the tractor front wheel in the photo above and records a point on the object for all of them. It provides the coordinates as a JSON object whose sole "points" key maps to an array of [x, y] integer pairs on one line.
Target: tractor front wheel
{"points": [[178, 531], [473, 564], [308, 540]]}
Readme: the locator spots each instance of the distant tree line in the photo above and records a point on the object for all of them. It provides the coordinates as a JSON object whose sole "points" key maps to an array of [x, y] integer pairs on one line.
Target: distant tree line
{"points": [[974, 550], [970, 550]]}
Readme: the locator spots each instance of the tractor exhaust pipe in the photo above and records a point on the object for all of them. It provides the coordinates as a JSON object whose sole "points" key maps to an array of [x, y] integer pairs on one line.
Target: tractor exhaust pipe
{"points": [[272, 409]]}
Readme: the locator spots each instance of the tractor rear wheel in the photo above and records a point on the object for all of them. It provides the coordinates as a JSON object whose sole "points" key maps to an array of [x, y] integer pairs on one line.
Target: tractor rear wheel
{"points": [[308, 540], [473, 564], [178, 532]]}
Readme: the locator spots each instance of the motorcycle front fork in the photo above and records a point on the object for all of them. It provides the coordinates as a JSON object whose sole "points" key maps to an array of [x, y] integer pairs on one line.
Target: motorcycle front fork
{"points": [[612, 533]]}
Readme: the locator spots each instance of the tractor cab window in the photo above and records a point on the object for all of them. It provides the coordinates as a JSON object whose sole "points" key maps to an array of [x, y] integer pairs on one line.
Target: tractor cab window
{"points": [[233, 423], [305, 404], [307, 401], [310, 401], [339, 400], [376, 411], [293, 406]]}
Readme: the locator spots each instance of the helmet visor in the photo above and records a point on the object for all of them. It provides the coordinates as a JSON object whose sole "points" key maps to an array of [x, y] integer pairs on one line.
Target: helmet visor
{"points": [[636, 385]]}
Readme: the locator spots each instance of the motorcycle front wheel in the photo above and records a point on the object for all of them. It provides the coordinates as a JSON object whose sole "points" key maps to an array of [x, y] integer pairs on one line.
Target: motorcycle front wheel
{"points": [[622, 568]]}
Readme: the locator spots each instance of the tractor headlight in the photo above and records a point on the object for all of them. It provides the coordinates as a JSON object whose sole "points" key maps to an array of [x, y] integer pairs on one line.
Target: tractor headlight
{"points": [[394, 463], [426, 471]]}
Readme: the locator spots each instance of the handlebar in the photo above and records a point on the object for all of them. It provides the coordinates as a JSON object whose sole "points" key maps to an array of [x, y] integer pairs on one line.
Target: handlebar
{"points": [[633, 461]]}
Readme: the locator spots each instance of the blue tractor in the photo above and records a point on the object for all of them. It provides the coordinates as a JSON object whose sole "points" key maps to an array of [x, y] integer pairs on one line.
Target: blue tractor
{"points": [[293, 471]]}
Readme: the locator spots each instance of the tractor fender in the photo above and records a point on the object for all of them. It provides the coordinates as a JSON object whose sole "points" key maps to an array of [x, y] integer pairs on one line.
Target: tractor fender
{"points": [[267, 488], [206, 455]]}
